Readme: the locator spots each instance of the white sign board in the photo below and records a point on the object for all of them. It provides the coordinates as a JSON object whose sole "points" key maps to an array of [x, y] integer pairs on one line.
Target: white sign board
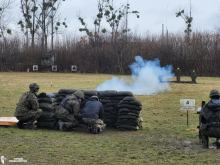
{"points": [[54, 68], [73, 68], [35, 67], [187, 104]]}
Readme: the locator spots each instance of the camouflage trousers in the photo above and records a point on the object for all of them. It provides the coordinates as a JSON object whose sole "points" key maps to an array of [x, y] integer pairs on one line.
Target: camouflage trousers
{"points": [[30, 116], [66, 121], [94, 125], [29, 120]]}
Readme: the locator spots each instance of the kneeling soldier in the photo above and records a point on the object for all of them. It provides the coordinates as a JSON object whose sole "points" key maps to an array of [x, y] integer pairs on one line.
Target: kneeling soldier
{"points": [[92, 115], [27, 110], [210, 119], [68, 111]]}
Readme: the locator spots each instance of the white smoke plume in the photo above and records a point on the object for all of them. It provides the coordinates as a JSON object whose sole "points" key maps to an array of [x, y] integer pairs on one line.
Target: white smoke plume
{"points": [[147, 78]]}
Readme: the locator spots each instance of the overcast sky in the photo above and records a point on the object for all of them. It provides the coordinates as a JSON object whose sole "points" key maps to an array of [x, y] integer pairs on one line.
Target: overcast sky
{"points": [[153, 13]]}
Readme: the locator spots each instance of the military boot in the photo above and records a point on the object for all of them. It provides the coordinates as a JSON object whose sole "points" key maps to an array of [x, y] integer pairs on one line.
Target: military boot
{"points": [[20, 125], [30, 125]]}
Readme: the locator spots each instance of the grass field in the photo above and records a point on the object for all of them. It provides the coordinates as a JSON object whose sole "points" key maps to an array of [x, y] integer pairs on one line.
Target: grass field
{"points": [[165, 138]]}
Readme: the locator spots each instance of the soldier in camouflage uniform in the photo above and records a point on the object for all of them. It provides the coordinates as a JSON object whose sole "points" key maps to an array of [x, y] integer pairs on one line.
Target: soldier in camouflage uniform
{"points": [[68, 111], [210, 119], [178, 74], [193, 76], [27, 110], [93, 114]]}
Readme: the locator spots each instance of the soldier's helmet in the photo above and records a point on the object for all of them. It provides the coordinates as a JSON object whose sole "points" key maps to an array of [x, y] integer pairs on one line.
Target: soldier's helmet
{"points": [[94, 98], [79, 94], [34, 87], [214, 93]]}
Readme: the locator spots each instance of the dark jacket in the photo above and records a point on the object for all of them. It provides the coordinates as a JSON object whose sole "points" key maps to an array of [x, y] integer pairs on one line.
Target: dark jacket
{"points": [[210, 113], [93, 109]]}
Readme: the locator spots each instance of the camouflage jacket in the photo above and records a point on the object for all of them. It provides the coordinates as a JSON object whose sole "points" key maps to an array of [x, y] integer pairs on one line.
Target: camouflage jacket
{"points": [[71, 104], [27, 102]]}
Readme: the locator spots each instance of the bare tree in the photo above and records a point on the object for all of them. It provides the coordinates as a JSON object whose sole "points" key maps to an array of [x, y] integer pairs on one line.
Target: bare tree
{"points": [[188, 20], [113, 16], [4, 5], [38, 16]]}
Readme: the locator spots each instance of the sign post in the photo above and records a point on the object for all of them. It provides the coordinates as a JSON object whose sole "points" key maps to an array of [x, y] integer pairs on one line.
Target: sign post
{"points": [[187, 105]]}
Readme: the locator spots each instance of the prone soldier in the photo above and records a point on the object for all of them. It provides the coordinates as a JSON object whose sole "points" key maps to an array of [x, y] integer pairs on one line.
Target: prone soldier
{"points": [[178, 74]]}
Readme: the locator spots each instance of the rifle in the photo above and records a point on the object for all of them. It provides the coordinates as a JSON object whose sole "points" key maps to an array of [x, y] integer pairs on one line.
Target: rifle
{"points": [[199, 112]]}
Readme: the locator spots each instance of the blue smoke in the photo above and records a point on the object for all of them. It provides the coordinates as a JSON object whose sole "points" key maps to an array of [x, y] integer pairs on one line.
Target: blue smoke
{"points": [[147, 78]]}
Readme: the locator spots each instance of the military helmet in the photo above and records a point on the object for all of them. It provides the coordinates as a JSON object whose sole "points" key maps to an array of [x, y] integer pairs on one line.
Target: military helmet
{"points": [[213, 93], [34, 87], [79, 94], [94, 98]]}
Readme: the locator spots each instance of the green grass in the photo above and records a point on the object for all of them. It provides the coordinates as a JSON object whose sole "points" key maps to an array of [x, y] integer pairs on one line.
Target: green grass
{"points": [[161, 141]]}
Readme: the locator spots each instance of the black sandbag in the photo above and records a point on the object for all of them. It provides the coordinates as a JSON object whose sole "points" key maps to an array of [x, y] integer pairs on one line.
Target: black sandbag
{"points": [[66, 91], [124, 93], [46, 115], [126, 110], [132, 107], [130, 99], [128, 113], [42, 95], [47, 120], [136, 103], [48, 125], [128, 128], [107, 93], [46, 95], [46, 100], [127, 117], [47, 107], [90, 93]]}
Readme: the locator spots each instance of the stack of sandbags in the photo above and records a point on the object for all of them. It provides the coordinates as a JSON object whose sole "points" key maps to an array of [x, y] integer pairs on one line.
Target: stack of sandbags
{"points": [[47, 103], [129, 114], [110, 100], [62, 93], [89, 93]]}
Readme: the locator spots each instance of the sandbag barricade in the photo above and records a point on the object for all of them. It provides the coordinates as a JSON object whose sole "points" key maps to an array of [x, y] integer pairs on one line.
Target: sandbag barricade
{"points": [[110, 100], [129, 114], [121, 109], [47, 103], [62, 93]]}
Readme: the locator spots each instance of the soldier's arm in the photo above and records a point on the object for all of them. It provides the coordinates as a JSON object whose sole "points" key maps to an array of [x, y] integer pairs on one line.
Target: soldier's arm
{"points": [[34, 103], [76, 108]]}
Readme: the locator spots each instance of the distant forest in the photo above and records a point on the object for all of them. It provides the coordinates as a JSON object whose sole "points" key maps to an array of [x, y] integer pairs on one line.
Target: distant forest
{"points": [[100, 50]]}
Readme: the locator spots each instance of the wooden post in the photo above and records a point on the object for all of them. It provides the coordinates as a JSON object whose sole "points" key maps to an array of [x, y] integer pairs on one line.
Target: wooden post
{"points": [[187, 118]]}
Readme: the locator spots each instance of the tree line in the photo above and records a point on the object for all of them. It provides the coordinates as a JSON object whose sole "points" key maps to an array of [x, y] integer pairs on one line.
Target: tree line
{"points": [[102, 49]]}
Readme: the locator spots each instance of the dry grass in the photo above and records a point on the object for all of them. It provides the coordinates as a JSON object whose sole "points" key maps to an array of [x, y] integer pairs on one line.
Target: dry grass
{"points": [[162, 140]]}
